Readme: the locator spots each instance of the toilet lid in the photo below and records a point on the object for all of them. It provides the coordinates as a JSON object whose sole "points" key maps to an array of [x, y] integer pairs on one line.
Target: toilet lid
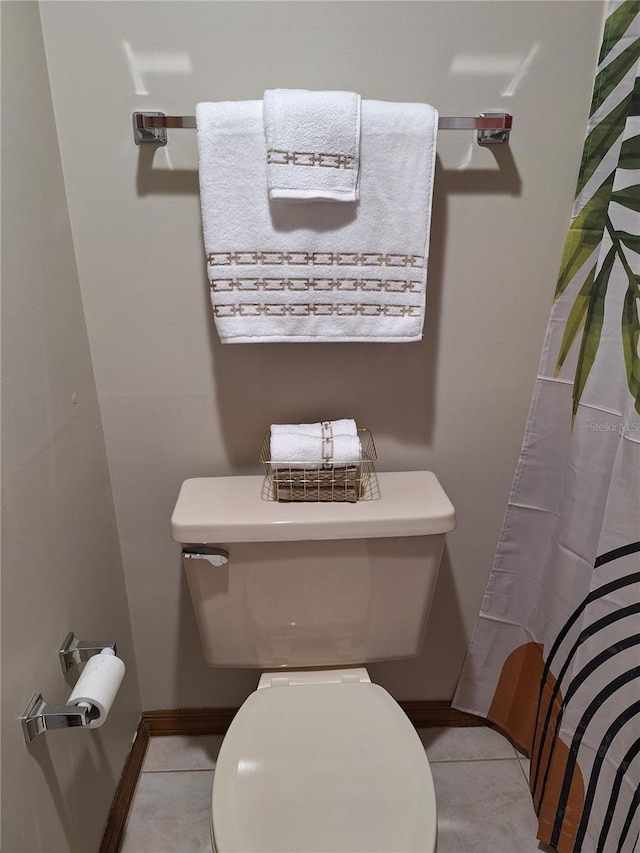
{"points": [[324, 768]]}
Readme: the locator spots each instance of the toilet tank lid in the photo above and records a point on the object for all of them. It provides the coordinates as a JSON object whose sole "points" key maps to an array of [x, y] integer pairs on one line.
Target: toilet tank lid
{"points": [[233, 509]]}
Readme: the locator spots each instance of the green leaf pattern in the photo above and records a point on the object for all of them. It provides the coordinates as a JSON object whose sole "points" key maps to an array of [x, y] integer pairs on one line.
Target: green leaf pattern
{"points": [[617, 191], [616, 26], [613, 74]]}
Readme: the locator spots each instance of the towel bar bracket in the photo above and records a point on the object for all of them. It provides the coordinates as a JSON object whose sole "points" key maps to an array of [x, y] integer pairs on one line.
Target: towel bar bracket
{"points": [[146, 131], [492, 128], [488, 136]]}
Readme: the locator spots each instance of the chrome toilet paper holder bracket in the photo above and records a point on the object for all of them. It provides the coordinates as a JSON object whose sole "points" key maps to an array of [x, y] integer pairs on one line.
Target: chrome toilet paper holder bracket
{"points": [[75, 651], [40, 717]]}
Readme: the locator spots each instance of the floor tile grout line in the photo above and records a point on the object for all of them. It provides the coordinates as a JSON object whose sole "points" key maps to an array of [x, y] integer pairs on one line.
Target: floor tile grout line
{"points": [[181, 770], [431, 761], [467, 760], [525, 772]]}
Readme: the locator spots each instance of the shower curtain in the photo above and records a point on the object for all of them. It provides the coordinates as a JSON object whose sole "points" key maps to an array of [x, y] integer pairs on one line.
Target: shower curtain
{"points": [[554, 660]]}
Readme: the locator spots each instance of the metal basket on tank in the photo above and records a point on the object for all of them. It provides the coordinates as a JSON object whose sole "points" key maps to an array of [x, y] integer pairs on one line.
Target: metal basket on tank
{"points": [[350, 482]]}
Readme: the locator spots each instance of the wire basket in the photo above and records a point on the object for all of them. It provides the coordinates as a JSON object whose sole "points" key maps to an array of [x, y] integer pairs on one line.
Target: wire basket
{"points": [[288, 481]]}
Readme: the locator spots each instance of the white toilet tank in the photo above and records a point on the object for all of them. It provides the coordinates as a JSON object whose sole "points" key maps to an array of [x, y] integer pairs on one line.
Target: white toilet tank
{"points": [[312, 584]]}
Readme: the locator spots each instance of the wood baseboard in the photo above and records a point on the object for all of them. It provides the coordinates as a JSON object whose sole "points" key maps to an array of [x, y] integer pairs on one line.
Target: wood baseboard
{"points": [[426, 715], [189, 721], [216, 721], [117, 820]]}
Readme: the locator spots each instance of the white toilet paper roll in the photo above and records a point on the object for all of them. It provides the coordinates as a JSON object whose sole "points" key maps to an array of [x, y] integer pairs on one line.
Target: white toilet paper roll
{"points": [[98, 686]]}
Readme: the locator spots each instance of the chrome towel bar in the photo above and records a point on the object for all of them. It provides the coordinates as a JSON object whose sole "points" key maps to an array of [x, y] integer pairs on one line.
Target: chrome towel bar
{"points": [[491, 128]]}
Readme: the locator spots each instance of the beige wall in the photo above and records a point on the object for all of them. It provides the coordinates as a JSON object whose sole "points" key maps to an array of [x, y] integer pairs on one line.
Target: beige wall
{"points": [[177, 404], [61, 566]]}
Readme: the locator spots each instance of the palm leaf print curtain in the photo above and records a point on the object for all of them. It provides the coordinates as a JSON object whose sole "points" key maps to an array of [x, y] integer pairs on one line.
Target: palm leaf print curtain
{"points": [[554, 659]]}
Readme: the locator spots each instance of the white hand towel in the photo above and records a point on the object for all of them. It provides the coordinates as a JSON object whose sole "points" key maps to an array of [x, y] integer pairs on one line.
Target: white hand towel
{"points": [[297, 450], [313, 144], [343, 426], [318, 272]]}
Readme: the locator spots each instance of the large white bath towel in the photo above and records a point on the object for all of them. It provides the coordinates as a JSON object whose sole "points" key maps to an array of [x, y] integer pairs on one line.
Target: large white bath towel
{"points": [[313, 144], [317, 272]]}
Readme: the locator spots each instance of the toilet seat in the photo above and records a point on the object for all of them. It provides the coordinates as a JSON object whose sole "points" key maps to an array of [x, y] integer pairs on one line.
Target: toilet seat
{"points": [[323, 767]]}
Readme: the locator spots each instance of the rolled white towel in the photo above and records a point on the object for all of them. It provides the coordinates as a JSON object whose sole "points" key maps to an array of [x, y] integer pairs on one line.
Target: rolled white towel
{"points": [[342, 426], [297, 450]]}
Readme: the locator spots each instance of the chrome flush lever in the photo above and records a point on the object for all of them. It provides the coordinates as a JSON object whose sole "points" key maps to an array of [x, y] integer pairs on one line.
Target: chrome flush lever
{"points": [[215, 556]]}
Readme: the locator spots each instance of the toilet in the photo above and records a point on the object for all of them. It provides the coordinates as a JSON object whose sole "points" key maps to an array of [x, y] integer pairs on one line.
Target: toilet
{"points": [[318, 758]]}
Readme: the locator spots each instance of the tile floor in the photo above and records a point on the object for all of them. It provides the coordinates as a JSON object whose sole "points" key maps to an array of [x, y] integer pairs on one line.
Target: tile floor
{"points": [[483, 796]]}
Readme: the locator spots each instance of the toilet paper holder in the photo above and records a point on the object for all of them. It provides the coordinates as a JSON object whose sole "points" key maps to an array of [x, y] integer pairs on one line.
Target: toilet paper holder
{"points": [[39, 715]]}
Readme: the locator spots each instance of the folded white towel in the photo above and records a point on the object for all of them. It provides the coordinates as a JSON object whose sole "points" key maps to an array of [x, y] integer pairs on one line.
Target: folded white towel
{"points": [[318, 272], [343, 426], [313, 144], [297, 450]]}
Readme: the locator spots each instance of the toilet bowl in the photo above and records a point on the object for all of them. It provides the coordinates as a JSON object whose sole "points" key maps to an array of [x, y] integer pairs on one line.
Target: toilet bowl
{"points": [[322, 762], [318, 758]]}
